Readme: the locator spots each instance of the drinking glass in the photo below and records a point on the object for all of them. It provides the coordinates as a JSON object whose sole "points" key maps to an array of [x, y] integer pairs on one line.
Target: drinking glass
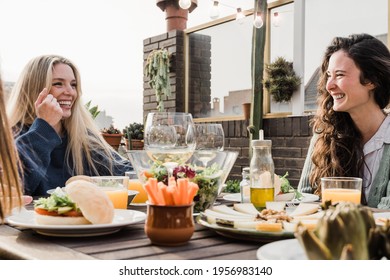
{"points": [[339, 189], [116, 189], [210, 139], [169, 138]]}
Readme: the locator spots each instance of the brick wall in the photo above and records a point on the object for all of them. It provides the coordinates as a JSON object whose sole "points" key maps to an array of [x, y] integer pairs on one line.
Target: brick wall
{"points": [[173, 41], [290, 141]]}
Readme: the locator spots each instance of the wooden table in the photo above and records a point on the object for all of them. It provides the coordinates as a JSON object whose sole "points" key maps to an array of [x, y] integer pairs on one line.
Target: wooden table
{"points": [[129, 243]]}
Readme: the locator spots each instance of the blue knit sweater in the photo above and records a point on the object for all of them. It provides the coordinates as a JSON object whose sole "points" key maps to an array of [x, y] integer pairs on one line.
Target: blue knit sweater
{"points": [[42, 153]]}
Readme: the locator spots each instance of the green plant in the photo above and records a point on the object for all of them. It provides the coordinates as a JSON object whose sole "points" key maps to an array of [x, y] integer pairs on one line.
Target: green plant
{"points": [[232, 186], [134, 130], [93, 110], [111, 130], [282, 80], [157, 70]]}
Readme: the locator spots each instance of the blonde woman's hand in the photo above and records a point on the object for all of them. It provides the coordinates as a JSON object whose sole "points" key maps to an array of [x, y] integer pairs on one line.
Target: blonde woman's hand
{"points": [[48, 109]]}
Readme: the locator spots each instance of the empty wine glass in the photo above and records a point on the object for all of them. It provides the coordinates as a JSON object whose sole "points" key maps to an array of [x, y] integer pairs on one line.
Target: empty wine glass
{"points": [[210, 139], [169, 138]]}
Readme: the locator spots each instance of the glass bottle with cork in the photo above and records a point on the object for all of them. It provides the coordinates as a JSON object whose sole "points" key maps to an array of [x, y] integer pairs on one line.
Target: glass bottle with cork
{"points": [[262, 173]]}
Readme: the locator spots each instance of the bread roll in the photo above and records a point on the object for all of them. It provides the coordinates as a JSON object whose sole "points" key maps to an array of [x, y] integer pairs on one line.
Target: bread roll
{"points": [[92, 201], [60, 220], [78, 177]]}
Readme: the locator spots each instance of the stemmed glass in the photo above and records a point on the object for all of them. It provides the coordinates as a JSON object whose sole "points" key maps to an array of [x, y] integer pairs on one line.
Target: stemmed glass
{"points": [[210, 139], [169, 138]]}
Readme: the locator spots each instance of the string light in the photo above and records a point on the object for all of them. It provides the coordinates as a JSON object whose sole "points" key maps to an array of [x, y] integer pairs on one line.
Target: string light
{"points": [[258, 22], [276, 19], [214, 11], [240, 15], [185, 4]]}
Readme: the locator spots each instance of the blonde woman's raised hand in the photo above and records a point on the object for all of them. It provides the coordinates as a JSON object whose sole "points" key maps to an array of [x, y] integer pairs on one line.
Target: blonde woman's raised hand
{"points": [[48, 108]]}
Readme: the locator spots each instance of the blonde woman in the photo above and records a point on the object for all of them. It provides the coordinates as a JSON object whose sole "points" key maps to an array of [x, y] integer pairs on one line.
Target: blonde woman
{"points": [[55, 134], [10, 183]]}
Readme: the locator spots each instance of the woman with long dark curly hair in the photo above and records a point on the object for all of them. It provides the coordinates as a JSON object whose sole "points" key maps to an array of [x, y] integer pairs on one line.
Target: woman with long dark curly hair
{"points": [[351, 127]]}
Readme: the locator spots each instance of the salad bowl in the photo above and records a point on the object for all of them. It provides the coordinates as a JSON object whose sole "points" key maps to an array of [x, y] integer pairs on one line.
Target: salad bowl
{"points": [[210, 178]]}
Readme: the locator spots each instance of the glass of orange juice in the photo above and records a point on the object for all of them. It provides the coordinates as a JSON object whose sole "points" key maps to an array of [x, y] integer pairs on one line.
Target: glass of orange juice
{"points": [[339, 189], [136, 185], [116, 189]]}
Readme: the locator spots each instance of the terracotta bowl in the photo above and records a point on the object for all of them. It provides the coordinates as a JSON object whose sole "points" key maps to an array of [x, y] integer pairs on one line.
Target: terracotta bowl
{"points": [[169, 225]]}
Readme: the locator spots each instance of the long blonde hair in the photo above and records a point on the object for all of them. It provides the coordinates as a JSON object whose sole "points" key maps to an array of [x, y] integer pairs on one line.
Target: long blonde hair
{"points": [[10, 182], [83, 134]]}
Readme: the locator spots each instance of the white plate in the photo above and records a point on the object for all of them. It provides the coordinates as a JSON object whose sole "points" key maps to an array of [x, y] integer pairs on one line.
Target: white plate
{"points": [[138, 204], [245, 234], [235, 197], [385, 215], [307, 197], [52, 190], [289, 249], [122, 218]]}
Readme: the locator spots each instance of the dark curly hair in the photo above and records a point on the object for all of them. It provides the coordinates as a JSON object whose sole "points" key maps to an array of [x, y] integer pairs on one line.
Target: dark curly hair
{"points": [[339, 148]]}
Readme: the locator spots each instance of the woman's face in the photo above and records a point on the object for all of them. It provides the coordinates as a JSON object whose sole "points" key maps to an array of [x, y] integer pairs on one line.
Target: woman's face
{"points": [[64, 88], [343, 84]]}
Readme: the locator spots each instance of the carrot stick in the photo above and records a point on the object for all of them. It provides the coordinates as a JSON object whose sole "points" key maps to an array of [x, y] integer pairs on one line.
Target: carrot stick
{"points": [[166, 194], [161, 189], [182, 185], [174, 192], [192, 190], [149, 187], [172, 181]]}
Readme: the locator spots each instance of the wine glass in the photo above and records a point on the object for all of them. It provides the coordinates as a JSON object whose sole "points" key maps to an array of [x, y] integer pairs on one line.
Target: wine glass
{"points": [[210, 139], [169, 138]]}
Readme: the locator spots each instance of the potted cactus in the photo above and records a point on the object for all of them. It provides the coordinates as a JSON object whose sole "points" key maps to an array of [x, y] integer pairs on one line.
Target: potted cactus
{"points": [[113, 136], [134, 135]]}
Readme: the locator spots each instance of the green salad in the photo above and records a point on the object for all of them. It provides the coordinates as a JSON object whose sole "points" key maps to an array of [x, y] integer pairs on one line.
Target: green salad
{"points": [[58, 202]]}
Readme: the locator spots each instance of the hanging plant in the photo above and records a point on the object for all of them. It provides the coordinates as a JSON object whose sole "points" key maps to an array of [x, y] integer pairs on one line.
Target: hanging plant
{"points": [[282, 80], [157, 70]]}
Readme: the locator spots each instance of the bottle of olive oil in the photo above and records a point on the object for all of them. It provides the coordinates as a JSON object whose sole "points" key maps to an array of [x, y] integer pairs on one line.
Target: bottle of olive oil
{"points": [[262, 172]]}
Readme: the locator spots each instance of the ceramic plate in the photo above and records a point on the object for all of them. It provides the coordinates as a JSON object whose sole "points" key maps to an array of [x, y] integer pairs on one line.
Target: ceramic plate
{"points": [[138, 204], [381, 217], [235, 197], [52, 190], [289, 249], [246, 234], [307, 197], [122, 218]]}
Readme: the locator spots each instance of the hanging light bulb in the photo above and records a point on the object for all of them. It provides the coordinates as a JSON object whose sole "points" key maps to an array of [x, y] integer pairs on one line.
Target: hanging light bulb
{"points": [[240, 16], [214, 12], [276, 19], [185, 4], [258, 22]]}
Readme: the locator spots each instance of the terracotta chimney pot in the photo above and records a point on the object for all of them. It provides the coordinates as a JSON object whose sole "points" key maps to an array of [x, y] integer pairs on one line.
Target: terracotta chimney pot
{"points": [[176, 17]]}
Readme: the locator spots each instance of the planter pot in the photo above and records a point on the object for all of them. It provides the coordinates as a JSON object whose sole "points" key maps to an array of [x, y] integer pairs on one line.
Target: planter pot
{"points": [[135, 144], [114, 140]]}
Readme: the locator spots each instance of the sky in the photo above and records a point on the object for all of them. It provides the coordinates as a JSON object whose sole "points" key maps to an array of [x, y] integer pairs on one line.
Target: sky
{"points": [[104, 38]]}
